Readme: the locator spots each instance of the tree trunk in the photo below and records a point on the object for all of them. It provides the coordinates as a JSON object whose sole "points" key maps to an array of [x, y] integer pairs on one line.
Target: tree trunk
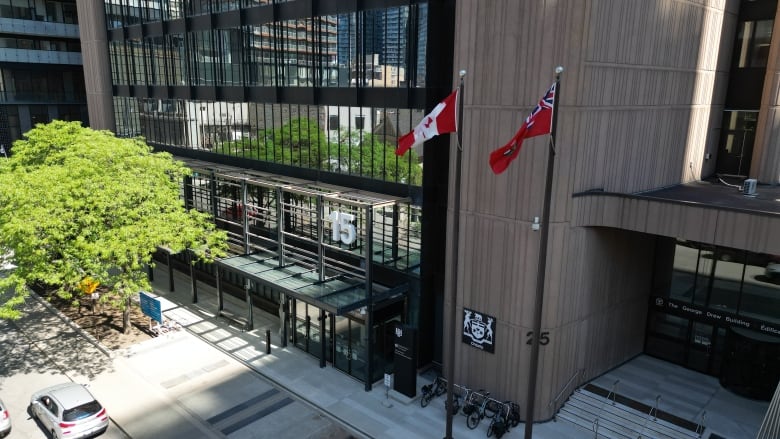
{"points": [[126, 317]]}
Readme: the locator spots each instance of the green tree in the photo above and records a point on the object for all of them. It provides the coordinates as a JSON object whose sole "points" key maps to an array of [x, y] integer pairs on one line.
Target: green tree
{"points": [[366, 154], [79, 206], [299, 142]]}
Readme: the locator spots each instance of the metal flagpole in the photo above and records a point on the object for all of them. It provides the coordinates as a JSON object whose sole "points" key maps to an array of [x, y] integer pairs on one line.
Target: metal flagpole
{"points": [[540, 272], [450, 333]]}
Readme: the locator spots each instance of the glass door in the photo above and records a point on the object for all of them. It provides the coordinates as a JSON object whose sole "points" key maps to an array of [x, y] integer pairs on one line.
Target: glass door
{"points": [[736, 146], [699, 347]]}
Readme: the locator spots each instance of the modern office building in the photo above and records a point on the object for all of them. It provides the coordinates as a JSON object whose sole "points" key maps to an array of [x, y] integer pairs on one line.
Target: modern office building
{"points": [[664, 212], [41, 77]]}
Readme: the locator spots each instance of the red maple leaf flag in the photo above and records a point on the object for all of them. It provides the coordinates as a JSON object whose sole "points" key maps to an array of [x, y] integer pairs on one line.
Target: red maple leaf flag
{"points": [[439, 121], [537, 123]]}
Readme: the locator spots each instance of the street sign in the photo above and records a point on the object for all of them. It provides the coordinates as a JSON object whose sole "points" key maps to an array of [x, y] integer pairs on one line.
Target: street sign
{"points": [[151, 306]]}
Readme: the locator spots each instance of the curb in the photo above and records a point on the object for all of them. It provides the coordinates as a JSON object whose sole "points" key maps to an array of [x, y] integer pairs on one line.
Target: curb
{"points": [[89, 337]]}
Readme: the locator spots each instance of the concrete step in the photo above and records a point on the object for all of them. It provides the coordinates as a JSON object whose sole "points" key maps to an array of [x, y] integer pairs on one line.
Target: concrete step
{"points": [[604, 432], [650, 425], [608, 421]]}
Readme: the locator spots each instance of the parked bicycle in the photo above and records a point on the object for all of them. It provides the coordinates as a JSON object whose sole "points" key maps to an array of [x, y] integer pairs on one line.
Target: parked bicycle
{"points": [[514, 413], [437, 388], [458, 393], [502, 421], [471, 401], [486, 409]]}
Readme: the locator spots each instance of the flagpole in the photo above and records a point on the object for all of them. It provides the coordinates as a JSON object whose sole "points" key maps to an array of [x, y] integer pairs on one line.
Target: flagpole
{"points": [[450, 333], [541, 268]]}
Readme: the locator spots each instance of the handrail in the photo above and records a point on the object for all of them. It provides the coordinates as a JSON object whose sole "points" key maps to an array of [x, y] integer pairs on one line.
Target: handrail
{"points": [[554, 402], [700, 426], [654, 410], [613, 392]]}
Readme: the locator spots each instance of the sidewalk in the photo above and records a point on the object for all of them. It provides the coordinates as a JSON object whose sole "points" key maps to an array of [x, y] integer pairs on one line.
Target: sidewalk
{"points": [[371, 414], [205, 382]]}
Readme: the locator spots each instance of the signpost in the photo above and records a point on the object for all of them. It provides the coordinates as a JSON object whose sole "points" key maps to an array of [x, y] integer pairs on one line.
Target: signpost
{"points": [[151, 307]]}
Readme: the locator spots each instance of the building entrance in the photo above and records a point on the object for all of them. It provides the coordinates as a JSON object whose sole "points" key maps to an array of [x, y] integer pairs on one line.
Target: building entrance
{"points": [[343, 340], [751, 366]]}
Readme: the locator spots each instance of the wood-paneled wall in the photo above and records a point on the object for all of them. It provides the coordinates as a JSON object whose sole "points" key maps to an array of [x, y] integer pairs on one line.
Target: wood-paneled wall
{"points": [[639, 106]]}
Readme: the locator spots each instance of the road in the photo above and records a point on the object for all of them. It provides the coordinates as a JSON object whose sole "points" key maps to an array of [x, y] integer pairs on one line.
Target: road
{"points": [[24, 368], [174, 386]]}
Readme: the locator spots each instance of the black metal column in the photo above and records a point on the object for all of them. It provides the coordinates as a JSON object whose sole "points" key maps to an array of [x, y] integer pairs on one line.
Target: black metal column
{"points": [[193, 277]]}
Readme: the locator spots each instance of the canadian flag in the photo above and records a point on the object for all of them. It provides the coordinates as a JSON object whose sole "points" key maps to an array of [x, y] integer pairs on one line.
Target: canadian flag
{"points": [[439, 121]]}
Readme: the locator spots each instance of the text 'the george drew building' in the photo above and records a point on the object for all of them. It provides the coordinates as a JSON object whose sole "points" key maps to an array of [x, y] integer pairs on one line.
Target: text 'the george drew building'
{"points": [[664, 214]]}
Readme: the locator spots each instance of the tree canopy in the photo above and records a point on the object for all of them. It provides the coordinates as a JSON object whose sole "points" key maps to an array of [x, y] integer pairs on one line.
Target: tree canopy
{"points": [[301, 142], [81, 208]]}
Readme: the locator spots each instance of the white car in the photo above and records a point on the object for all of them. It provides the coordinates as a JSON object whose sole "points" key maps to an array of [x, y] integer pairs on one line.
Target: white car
{"points": [[68, 411], [5, 420]]}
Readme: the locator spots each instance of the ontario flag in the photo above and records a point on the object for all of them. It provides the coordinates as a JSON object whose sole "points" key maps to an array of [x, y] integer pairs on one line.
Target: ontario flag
{"points": [[439, 121], [537, 123]]}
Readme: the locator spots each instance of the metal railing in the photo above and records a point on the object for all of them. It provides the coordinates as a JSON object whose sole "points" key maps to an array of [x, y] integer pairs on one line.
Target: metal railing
{"points": [[555, 402], [654, 410], [700, 426], [613, 393]]}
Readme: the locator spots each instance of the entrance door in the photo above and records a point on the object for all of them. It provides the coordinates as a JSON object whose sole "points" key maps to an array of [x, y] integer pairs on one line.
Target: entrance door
{"points": [[310, 331], [736, 144], [700, 347], [751, 366]]}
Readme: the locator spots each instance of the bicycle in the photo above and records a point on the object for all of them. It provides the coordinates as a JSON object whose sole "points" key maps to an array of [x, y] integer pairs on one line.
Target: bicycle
{"points": [[514, 413], [470, 401], [487, 409], [503, 420], [429, 391], [459, 392]]}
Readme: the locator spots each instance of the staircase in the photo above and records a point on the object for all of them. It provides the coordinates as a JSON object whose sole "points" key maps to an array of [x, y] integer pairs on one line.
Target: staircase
{"points": [[611, 416]]}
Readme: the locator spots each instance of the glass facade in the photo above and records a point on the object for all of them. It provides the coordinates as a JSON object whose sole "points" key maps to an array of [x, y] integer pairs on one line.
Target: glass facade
{"points": [[716, 309], [331, 261], [316, 92], [41, 77]]}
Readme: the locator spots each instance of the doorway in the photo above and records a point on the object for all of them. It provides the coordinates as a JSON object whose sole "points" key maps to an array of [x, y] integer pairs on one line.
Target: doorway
{"points": [[736, 144]]}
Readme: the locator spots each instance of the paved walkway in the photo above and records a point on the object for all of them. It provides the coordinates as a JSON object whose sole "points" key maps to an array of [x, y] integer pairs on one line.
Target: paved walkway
{"points": [[206, 381], [374, 415]]}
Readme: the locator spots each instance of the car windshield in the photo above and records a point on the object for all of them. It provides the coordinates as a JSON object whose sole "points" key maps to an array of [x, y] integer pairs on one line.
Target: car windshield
{"points": [[82, 411]]}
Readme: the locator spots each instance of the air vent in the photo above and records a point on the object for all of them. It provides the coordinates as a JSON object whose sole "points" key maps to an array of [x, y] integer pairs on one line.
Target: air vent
{"points": [[749, 187]]}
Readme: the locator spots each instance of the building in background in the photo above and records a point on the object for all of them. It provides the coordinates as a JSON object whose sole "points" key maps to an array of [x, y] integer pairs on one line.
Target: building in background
{"points": [[41, 77], [664, 223]]}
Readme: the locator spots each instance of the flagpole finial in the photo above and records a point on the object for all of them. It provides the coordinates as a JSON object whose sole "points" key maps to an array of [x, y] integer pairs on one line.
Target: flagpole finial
{"points": [[559, 70], [462, 73]]}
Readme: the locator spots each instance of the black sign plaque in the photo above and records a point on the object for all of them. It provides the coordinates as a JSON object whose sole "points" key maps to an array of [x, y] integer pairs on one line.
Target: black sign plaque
{"points": [[479, 330], [405, 360]]}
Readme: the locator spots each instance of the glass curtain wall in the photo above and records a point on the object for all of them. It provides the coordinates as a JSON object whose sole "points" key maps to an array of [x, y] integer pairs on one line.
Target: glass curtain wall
{"points": [[709, 293], [366, 49]]}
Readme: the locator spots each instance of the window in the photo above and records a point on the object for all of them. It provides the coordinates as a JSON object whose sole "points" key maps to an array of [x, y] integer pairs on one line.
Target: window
{"points": [[333, 122], [359, 121], [752, 47]]}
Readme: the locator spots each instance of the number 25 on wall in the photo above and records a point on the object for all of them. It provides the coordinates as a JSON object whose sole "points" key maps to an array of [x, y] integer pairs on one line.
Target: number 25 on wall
{"points": [[544, 339], [342, 228]]}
